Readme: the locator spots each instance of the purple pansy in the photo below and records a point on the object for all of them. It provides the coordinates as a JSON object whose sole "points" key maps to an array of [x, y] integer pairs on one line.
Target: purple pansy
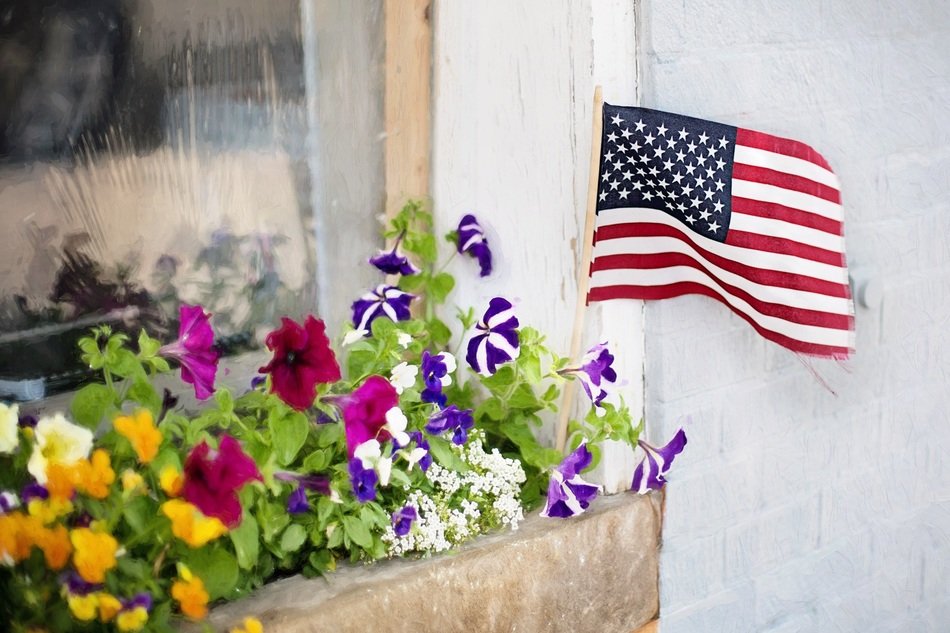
{"points": [[8, 501], [33, 491], [27, 421], [650, 473], [193, 351], [498, 341], [143, 600], [75, 584], [568, 494], [363, 480], [388, 301], [436, 374], [421, 442], [391, 262], [471, 240], [596, 373], [297, 503], [402, 520], [460, 421]]}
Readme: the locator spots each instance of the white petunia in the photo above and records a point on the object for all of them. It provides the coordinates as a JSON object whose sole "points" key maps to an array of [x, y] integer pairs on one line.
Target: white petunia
{"points": [[57, 440], [404, 339], [403, 376], [396, 423], [368, 452], [353, 336], [9, 427]]}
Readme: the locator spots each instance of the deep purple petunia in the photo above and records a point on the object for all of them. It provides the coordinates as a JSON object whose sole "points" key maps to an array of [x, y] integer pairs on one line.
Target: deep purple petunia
{"points": [[363, 480], [392, 262], [436, 374], [650, 473], [364, 414], [498, 341], [402, 520], [193, 350], [568, 494], [388, 301], [297, 503], [460, 421], [596, 373], [213, 478], [302, 360], [471, 240]]}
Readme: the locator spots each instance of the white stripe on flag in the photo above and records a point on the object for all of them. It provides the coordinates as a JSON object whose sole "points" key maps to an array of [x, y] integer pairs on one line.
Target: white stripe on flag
{"points": [[767, 293], [677, 274], [788, 198], [786, 230], [746, 256], [787, 164]]}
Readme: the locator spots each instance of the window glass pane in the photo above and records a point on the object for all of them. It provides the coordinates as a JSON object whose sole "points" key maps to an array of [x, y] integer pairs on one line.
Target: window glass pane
{"points": [[153, 152]]}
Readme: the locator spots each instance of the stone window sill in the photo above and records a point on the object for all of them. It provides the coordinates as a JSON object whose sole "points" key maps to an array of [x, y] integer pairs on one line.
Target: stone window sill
{"points": [[597, 572]]}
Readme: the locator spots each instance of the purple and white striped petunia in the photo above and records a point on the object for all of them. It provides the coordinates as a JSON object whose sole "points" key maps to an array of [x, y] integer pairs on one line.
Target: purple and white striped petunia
{"points": [[393, 263], [437, 372], [498, 341], [388, 301], [402, 520], [471, 240], [460, 421], [650, 473], [596, 373], [568, 494]]}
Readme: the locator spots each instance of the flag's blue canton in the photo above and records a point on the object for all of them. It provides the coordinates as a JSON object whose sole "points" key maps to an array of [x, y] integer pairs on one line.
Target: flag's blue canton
{"points": [[673, 163]]}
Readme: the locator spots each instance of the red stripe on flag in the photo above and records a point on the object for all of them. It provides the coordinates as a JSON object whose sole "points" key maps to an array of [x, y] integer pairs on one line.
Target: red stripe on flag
{"points": [[758, 275], [786, 146], [785, 181], [786, 214], [778, 310], [683, 288], [783, 246]]}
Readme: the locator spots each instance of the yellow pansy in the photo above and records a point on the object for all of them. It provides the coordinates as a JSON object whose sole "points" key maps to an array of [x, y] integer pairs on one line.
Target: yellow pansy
{"points": [[132, 482], [109, 606], [94, 553], [189, 591], [18, 533], [49, 510], [55, 545], [57, 441], [171, 481], [251, 625], [95, 475], [190, 525], [140, 430], [132, 619], [83, 607]]}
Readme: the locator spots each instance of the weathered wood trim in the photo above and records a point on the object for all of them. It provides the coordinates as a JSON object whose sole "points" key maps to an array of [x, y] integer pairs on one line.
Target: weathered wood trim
{"points": [[407, 100]]}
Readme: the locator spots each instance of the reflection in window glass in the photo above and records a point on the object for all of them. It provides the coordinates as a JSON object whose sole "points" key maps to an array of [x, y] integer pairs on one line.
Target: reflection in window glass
{"points": [[154, 152]]}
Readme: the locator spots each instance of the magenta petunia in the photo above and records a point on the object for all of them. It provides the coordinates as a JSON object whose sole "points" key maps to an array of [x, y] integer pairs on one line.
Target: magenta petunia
{"points": [[213, 478], [302, 360], [193, 350], [364, 412]]}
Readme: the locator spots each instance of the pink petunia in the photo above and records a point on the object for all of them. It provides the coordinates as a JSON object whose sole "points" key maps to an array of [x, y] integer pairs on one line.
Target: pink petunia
{"points": [[213, 478], [302, 359], [364, 413], [193, 350]]}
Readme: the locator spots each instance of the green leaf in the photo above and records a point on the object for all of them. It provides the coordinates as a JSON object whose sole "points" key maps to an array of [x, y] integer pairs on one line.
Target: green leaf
{"points": [[142, 392], [499, 383], [293, 538], [137, 513], [316, 461], [531, 367], [551, 394], [225, 400], [91, 404], [288, 435], [126, 364], [492, 408], [361, 362], [272, 518], [443, 453], [336, 536], [246, 539], [524, 398], [216, 568], [358, 532], [440, 287], [439, 333], [134, 567], [148, 346]]}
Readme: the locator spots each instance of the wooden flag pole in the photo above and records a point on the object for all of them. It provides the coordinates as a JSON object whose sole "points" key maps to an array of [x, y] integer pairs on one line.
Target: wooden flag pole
{"points": [[583, 272]]}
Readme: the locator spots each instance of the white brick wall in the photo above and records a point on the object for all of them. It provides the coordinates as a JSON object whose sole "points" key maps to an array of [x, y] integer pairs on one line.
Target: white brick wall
{"points": [[793, 509]]}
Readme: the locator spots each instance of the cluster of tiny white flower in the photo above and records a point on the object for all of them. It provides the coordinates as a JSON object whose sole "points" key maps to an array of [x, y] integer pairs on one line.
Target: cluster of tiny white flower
{"points": [[463, 504]]}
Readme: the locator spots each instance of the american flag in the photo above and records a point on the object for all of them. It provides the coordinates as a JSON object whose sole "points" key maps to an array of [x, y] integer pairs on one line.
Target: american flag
{"points": [[687, 206]]}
